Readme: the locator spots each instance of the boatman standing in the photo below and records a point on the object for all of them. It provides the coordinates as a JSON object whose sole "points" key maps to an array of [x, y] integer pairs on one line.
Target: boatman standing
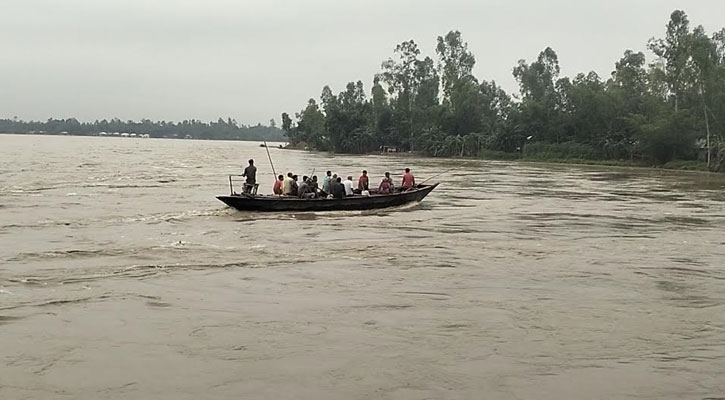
{"points": [[251, 174]]}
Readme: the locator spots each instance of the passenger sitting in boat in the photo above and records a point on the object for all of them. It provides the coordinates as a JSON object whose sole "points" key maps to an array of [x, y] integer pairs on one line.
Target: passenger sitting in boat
{"points": [[327, 182], [314, 186], [348, 186], [305, 191], [302, 189], [277, 188], [338, 189], [385, 186], [295, 187], [408, 180], [363, 183], [390, 181], [333, 183], [287, 185]]}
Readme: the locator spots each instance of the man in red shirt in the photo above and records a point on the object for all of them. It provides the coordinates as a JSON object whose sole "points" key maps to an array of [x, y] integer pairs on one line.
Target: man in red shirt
{"points": [[277, 188], [408, 180], [363, 183]]}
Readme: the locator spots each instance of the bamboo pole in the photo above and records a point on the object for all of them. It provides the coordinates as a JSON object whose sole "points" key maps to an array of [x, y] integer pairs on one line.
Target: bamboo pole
{"points": [[270, 160]]}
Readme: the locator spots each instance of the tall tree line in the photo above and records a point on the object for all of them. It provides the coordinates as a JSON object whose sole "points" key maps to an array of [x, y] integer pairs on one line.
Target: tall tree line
{"points": [[221, 129], [670, 108]]}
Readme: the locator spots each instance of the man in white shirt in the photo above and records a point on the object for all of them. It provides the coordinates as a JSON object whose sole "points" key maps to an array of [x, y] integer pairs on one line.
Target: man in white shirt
{"points": [[348, 186]]}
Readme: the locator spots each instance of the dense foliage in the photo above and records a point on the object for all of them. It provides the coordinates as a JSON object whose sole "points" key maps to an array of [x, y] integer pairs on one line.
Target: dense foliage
{"points": [[224, 130], [667, 109]]}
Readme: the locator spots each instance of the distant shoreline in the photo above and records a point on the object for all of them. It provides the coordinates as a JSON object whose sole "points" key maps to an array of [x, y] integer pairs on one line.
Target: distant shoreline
{"points": [[138, 136]]}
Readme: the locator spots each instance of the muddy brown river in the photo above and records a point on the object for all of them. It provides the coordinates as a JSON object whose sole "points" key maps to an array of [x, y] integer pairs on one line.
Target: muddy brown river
{"points": [[122, 277]]}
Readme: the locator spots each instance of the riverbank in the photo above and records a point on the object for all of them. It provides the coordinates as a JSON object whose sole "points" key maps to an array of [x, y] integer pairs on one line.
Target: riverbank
{"points": [[678, 165]]}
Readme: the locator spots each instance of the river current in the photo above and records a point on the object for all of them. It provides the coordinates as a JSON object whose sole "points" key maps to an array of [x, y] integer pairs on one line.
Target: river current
{"points": [[122, 277]]}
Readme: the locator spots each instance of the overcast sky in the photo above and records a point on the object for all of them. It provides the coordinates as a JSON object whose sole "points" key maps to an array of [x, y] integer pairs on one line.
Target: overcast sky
{"points": [[252, 60]]}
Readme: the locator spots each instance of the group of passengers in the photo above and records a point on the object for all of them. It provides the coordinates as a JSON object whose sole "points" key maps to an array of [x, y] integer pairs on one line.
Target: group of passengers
{"points": [[334, 186]]}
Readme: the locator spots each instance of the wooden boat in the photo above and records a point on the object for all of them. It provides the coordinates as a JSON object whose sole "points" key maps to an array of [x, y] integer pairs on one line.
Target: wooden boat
{"points": [[248, 202]]}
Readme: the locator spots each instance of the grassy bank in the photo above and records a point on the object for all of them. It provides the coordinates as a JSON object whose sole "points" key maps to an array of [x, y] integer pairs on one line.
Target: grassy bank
{"points": [[683, 165], [558, 157], [579, 153]]}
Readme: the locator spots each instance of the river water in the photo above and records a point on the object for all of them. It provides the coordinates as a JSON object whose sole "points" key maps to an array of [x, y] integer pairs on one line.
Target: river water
{"points": [[122, 277]]}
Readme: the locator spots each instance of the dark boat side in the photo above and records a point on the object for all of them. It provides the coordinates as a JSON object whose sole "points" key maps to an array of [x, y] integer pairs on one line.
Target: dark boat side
{"points": [[374, 201]]}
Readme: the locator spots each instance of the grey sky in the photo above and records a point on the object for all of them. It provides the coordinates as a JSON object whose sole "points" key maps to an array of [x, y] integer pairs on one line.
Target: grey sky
{"points": [[252, 60]]}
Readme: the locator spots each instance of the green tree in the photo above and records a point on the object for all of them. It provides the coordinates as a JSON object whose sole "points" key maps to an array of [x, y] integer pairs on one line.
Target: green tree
{"points": [[311, 126], [538, 115], [674, 49], [413, 86], [455, 62]]}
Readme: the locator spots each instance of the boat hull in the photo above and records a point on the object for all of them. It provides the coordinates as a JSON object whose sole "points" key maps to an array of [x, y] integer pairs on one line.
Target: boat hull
{"points": [[278, 203]]}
